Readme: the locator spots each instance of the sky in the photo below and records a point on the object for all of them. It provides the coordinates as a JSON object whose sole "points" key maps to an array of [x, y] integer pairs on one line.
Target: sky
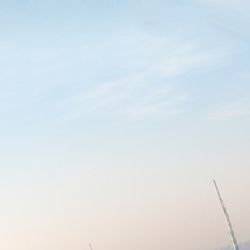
{"points": [[115, 117]]}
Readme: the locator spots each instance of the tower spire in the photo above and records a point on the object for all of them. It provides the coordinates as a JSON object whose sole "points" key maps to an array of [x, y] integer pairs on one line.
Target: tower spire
{"points": [[230, 226], [91, 247]]}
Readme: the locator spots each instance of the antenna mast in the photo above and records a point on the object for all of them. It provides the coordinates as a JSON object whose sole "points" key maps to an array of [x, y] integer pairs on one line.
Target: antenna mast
{"points": [[232, 234]]}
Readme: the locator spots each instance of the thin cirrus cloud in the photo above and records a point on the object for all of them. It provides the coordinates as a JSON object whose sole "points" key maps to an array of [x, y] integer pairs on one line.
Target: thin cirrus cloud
{"points": [[140, 76], [147, 90]]}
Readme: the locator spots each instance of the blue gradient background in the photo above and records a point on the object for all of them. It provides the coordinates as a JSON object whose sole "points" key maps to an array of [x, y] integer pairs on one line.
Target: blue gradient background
{"points": [[115, 116]]}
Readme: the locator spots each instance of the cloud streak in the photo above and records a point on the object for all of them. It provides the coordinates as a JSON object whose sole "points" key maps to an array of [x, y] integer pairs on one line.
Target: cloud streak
{"points": [[147, 92]]}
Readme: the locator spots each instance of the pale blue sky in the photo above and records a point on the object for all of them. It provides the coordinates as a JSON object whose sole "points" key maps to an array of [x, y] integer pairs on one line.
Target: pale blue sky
{"points": [[115, 115]]}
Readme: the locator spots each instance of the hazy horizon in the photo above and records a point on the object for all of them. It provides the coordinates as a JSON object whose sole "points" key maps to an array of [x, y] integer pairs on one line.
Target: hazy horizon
{"points": [[115, 118]]}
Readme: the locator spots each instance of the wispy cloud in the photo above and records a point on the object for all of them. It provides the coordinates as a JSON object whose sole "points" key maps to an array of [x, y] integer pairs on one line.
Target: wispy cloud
{"points": [[184, 63], [147, 92]]}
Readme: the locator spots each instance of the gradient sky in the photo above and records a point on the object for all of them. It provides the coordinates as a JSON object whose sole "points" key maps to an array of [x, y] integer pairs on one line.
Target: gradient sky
{"points": [[115, 116]]}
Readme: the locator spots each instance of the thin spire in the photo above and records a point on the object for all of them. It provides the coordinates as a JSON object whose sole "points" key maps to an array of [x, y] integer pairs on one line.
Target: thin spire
{"points": [[230, 226], [91, 247]]}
